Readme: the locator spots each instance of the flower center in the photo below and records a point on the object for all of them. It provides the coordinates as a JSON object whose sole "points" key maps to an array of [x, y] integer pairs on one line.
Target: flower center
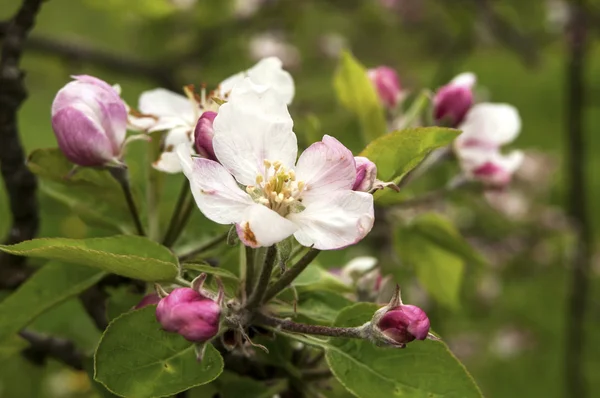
{"points": [[278, 189]]}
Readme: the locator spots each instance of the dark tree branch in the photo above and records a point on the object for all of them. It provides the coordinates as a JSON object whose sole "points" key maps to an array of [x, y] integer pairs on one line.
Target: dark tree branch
{"points": [[20, 183], [43, 347], [576, 154]]}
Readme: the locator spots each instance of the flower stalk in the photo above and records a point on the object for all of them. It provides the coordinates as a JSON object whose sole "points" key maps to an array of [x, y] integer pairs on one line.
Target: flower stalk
{"points": [[258, 292], [121, 174], [291, 274], [170, 237], [317, 330]]}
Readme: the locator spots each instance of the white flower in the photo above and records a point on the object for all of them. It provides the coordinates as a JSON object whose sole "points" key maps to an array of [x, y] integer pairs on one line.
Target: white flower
{"points": [[256, 147], [162, 109], [486, 128]]}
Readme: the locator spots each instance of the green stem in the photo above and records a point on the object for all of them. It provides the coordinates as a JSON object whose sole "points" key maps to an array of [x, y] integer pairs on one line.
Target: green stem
{"points": [[419, 105], [258, 293], [152, 190], [175, 217], [249, 269], [291, 274], [121, 174], [318, 330], [190, 205], [204, 247]]}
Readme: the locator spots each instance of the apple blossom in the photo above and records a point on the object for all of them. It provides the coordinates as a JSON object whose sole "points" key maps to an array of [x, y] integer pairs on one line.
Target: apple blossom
{"points": [[161, 109], [452, 101], [89, 120], [203, 135], [386, 82], [485, 129], [256, 149]]}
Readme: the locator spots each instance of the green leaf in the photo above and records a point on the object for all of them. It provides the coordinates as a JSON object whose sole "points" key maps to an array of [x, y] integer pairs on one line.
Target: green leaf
{"points": [[424, 369], [11, 346], [120, 300], [91, 193], [356, 92], [210, 270], [137, 359], [49, 286], [438, 252], [232, 385], [131, 256], [397, 153], [316, 278]]}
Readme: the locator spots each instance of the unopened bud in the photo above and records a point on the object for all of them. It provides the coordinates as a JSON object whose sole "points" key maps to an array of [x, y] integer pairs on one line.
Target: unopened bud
{"points": [[89, 119], [204, 135], [366, 174], [453, 101], [189, 313], [386, 82]]}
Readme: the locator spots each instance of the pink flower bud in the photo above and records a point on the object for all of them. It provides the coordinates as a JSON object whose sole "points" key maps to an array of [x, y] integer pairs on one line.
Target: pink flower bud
{"points": [[89, 119], [204, 135], [404, 324], [453, 101], [387, 84], [147, 300], [366, 174], [189, 313]]}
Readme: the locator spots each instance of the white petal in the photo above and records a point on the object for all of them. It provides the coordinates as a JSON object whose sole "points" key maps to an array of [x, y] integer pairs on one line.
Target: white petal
{"points": [[510, 162], [252, 126], [164, 103], [267, 72], [334, 221], [466, 79], [358, 266], [490, 124], [263, 227], [168, 161], [215, 191], [326, 167]]}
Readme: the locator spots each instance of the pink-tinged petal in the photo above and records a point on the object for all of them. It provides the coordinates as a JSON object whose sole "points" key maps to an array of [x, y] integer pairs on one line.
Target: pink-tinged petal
{"points": [[326, 167], [366, 174], [334, 221], [452, 101], [81, 138], [252, 126], [263, 227], [100, 102], [216, 193], [204, 134], [490, 124]]}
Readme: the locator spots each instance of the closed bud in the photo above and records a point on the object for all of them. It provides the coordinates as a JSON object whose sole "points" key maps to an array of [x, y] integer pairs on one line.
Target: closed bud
{"points": [[89, 119], [189, 313], [366, 174], [386, 82], [397, 323], [204, 135], [404, 324], [452, 101]]}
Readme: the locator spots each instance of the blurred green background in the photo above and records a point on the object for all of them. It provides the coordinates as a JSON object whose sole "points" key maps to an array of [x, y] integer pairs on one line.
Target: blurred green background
{"points": [[509, 328]]}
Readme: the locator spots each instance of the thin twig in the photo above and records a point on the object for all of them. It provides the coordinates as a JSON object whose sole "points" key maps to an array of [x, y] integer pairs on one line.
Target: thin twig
{"points": [[302, 328], [43, 347], [20, 183], [121, 174], [576, 155], [292, 273], [181, 200], [249, 269], [204, 247], [259, 290]]}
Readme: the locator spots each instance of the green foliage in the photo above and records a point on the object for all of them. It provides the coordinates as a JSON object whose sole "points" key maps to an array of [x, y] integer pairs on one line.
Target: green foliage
{"points": [[51, 285], [11, 346], [423, 369], [438, 252], [315, 307], [131, 256], [316, 278], [91, 193], [136, 359], [395, 154], [231, 385], [356, 92]]}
